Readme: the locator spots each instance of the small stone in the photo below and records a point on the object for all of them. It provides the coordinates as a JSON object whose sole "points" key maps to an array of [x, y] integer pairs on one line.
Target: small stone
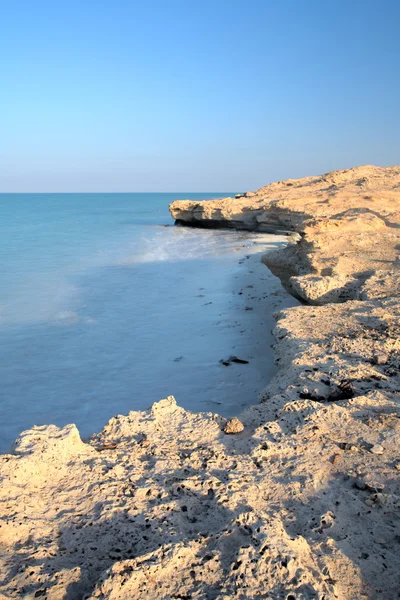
{"points": [[235, 359], [233, 426], [377, 449], [327, 520], [371, 486], [359, 484], [380, 359], [376, 500]]}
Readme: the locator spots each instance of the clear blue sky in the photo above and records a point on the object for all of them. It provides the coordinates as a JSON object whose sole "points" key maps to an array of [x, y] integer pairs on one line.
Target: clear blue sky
{"points": [[194, 95]]}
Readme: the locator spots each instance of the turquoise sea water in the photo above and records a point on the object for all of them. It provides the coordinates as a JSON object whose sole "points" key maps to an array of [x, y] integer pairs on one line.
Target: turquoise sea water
{"points": [[106, 307]]}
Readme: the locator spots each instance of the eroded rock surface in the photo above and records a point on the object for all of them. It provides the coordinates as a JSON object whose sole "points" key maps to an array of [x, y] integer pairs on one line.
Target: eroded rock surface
{"points": [[302, 504], [349, 222]]}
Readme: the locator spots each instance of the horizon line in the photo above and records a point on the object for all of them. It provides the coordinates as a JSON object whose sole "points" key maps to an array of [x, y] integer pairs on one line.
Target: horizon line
{"points": [[131, 192]]}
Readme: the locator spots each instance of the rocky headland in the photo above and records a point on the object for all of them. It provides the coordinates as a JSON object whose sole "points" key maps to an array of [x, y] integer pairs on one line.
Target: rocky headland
{"points": [[303, 501]]}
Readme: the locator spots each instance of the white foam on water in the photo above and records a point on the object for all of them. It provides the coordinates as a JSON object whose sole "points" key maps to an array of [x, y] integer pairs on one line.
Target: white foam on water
{"points": [[55, 295], [179, 244]]}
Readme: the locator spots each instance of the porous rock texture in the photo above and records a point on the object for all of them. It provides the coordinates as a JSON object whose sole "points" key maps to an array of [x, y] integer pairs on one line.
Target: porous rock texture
{"points": [[303, 503], [348, 222]]}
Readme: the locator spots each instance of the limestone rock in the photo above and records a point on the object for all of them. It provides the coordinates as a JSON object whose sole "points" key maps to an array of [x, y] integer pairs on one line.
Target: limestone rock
{"points": [[319, 290], [233, 426], [377, 449], [349, 223]]}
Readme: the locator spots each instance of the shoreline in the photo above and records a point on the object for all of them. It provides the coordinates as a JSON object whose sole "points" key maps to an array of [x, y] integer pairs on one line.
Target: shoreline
{"points": [[304, 502], [114, 349], [207, 325]]}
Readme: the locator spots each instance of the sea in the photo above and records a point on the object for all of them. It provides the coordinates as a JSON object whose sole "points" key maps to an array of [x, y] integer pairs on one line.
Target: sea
{"points": [[107, 307]]}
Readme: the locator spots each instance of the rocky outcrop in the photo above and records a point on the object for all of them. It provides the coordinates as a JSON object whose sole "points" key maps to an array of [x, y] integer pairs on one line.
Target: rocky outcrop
{"points": [[349, 223], [302, 501]]}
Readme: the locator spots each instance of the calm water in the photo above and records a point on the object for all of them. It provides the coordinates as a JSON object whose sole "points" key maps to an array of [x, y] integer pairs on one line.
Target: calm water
{"points": [[103, 310]]}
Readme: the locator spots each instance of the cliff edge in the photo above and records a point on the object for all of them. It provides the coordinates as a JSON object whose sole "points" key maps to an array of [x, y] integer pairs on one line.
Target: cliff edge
{"points": [[349, 222]]}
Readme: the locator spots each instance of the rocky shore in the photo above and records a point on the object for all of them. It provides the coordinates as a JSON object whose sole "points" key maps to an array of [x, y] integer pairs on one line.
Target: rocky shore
{"points": [[302, 503]]}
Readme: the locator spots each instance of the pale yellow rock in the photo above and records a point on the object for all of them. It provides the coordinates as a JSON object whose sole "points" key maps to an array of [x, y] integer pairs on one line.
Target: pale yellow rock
{"points": [[377, 449], [349, 222], [233, 426]]}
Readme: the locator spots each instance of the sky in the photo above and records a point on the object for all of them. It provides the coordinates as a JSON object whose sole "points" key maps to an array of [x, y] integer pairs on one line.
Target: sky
{"points": [[194, 95]]}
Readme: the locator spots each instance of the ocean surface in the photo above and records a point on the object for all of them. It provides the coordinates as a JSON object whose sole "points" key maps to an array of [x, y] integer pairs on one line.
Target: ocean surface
{"points": [[106, 307]]}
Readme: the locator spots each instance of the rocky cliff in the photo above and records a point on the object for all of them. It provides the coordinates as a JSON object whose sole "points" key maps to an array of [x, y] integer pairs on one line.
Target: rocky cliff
{"points": [[348, 222]]}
